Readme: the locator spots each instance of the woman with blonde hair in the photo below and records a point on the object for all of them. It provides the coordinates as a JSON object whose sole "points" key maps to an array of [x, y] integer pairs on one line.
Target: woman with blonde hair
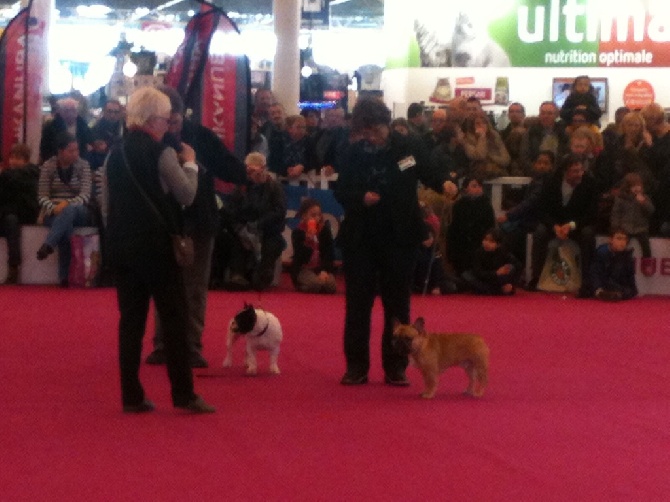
{"points": [[147, 183]]}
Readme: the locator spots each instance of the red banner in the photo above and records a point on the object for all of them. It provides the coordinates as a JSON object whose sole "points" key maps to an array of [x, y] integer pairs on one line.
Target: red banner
{"points": [[22, 59], [212, 75]]}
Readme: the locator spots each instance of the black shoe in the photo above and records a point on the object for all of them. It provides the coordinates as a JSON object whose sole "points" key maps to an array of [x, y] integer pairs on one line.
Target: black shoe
{"points": [[351, 378], [12, 275], [44, 251], [156, 357], [144, 407], [197, 361], [197, 405], [64, 283], [396, 379], [532, 285]]}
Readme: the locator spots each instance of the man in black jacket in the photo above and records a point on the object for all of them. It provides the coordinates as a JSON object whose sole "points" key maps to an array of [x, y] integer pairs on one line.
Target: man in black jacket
{"points": [[200, 219], [568, 206], [18, 204], [380, 234]]}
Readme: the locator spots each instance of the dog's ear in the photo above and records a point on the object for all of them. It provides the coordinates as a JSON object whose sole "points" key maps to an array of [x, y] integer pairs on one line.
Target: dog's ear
{"points": [[420, 325], [395, 322]]}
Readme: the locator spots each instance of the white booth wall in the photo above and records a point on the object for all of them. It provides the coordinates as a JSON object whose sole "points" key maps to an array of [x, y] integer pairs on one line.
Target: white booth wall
{"points": [[528, 86]]}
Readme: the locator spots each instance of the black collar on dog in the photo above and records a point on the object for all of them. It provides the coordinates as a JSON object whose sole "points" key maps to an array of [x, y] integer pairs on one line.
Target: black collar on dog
{"points": [[262, 332]]}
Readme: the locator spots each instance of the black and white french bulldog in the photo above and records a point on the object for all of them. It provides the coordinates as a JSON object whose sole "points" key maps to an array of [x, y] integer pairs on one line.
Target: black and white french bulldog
{"points": [[262, 332]]}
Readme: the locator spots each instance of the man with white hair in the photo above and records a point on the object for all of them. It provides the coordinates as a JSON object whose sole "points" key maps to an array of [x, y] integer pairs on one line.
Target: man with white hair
{"points": [[66, 119]]}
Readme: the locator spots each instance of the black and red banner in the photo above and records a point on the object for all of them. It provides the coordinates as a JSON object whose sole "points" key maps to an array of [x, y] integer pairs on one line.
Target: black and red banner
{"points": [[212, 75], [22, 62]]}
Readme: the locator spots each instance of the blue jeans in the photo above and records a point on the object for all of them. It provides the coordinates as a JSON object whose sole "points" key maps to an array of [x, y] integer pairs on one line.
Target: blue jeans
{"points": [[62, 227]]}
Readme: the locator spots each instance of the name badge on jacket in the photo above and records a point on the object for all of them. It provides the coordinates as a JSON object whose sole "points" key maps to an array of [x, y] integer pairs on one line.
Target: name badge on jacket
{"points": [[406, 163]]}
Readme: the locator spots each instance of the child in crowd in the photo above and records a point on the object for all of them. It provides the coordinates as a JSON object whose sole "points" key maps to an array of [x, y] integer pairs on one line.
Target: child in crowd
{"points": [[613, 269], [632, 211], [296, 155], [429, 274], [524, 217], [313, 251], [494, 270], [582, 96], [472, 216]]}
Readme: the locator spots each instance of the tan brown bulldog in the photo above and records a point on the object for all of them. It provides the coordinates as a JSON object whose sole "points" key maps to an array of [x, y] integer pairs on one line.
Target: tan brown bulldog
{"points": [[433, 353]]}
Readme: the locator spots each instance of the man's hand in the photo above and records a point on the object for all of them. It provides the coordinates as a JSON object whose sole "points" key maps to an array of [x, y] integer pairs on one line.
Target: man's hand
{"points": [[187, 154], [450, 188]]}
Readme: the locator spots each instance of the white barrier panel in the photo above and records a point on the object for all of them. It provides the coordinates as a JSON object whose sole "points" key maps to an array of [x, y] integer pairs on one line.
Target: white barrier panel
{"points": [[652, 276]]}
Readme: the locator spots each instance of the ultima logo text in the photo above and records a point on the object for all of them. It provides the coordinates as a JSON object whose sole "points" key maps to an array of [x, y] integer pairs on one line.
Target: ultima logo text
{"points": [[578, 21]]}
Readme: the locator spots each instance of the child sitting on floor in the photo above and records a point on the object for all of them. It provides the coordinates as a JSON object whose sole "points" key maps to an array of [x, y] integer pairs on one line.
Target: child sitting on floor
{"points": [[494, 271], [313, 251], [613, 269]]}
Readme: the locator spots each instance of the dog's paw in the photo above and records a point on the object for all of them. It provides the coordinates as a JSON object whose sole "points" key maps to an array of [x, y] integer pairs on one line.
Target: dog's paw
{"points": [[274, 369], [427, 395], [227, 362], [251, 371]]}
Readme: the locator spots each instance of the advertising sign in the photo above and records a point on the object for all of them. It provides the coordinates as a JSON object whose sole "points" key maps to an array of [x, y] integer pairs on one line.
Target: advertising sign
{"points": [[531, 33]]}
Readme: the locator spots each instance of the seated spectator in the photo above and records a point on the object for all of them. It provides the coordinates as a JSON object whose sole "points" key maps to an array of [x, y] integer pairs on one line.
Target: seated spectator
{"points": [[110, 126], [258, 211], [523, 218], [18, 204], [659, 163], [416, 119], [429, 274], [632, 211], [545, 134], [400, 125], [258, 142], [472, 216], [313, 251], [579, 121], [581, 96], [312, 121], [494, 270], [612, 273], [512, 136], [66, 119], [64, 191], [298, 152], [613, 131], [332, 141], [483, 146], [568, 203]]}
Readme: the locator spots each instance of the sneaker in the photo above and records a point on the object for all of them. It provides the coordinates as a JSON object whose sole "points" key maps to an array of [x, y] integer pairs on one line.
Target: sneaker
{"points": [[156, 357], [44, 251], [238, 283], [144, 407], [608, 296], [197, 361], [396, 379], [352, 378], [197, 405]]}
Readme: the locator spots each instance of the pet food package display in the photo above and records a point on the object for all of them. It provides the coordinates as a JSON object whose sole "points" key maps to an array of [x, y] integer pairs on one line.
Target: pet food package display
{"points": [[85, 260], [562, 269]]}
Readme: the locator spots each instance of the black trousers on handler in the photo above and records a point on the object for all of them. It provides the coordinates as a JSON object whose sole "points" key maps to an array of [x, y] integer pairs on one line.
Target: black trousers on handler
{"points": [[369, 270], [144, 271]]}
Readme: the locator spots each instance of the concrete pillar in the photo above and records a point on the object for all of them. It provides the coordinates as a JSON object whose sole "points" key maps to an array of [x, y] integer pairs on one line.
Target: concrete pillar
{"points": [[286, 70]]}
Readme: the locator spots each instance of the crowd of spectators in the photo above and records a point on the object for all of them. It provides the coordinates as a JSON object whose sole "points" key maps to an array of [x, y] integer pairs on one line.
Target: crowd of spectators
{"points": [[586, 179]]}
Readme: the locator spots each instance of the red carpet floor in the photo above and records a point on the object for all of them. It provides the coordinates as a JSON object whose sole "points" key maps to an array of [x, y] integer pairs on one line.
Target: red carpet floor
{"points": [[578, 407]]}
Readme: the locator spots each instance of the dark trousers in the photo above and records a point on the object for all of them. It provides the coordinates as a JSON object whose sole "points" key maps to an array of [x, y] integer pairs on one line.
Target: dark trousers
{"points": [[196, 280], [243, 262], [584, 237], [143, 273], [11, 229], [370, 270]]}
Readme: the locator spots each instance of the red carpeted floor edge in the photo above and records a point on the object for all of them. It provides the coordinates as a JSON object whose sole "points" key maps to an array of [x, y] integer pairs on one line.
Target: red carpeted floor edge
{"points": [[578, 407]]}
